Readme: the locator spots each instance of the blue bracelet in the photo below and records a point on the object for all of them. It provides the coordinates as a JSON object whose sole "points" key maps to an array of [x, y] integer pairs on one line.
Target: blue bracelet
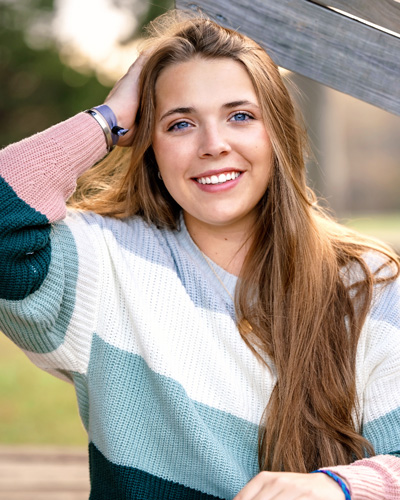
{"points": [[110, 118], [339, 481]]}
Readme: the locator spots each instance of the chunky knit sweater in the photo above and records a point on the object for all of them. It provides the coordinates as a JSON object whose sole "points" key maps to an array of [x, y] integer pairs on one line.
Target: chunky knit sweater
{"points": [[170, 395]]}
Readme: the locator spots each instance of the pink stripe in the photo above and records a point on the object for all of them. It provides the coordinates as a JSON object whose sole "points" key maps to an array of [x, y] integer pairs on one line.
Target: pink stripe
{"points": [[376, 478], [43, 169]]}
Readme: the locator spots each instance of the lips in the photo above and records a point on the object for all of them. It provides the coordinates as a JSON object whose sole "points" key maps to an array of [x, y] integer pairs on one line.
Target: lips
{"points": [[218, 178]]}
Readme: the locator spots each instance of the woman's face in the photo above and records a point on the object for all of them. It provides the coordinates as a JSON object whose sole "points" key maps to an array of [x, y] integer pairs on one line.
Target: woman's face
{"points": [[210, 143]]}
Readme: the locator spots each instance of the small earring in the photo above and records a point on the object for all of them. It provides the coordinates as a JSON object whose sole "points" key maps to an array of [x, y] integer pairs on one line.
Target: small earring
{"points": [[159, 175]]}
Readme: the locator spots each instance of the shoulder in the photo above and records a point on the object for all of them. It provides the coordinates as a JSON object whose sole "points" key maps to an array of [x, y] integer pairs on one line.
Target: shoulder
{"points": [[381, 266], [385, 303], [112, 239], [109, 227], [380, 338]]}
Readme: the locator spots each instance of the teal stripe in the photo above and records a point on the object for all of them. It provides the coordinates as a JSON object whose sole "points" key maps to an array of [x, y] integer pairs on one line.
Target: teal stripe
{"points": [[40, 321], [116, 482], [24, 246], [144, 420], [384, 432]]}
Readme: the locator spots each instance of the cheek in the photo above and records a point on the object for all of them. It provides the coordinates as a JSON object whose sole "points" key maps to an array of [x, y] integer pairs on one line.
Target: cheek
{"points": [[158, 150], [169, 163], [163, 149], [172, 157], [265, 151]]}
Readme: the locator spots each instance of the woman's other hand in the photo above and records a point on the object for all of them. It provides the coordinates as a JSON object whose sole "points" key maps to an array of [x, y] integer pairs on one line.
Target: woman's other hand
{"points": [[291, 486], [124, 100]]}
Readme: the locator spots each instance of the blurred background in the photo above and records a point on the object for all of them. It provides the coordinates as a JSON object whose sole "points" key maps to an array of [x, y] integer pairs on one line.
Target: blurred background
{"points": [[58, 57]]}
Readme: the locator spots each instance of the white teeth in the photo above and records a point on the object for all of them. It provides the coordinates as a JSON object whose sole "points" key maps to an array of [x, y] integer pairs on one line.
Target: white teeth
{"points": [[218, 179]]}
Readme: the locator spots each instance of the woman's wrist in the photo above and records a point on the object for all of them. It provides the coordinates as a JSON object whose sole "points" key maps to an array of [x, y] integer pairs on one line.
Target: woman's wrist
{"points": [[340, 481], [107, 120]]}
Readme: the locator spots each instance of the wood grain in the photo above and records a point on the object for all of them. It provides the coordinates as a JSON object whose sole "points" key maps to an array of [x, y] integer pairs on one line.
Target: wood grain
{"points": [[385, 13], [318, 43]]}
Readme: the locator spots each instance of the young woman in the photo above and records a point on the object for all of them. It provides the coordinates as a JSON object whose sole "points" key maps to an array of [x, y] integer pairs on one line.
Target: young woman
{"points": [[214, 322]]}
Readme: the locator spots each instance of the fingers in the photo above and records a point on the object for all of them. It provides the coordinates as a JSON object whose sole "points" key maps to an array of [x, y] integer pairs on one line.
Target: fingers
{"points": [[124, 99], [264, 486], [261, 487]]}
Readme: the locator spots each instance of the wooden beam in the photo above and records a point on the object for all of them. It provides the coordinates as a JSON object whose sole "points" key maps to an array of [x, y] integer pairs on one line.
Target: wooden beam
{"points": [[384, 13], [318, 43]]}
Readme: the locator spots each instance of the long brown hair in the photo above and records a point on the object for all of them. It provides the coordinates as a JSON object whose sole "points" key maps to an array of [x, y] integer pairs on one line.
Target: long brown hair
{"points": [[306, 317]]}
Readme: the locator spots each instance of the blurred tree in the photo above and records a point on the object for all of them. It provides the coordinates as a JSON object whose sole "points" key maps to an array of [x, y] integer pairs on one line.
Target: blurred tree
{"points": [[154, 10], [36, 88]]}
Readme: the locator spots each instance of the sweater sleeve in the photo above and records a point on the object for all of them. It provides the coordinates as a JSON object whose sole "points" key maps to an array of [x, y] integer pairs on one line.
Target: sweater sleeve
{"points": [[378, 477], [37, 175]]}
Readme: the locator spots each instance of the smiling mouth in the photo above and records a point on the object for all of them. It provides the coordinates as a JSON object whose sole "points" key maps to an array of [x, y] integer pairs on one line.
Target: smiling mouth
{"points": [[218, 179]]}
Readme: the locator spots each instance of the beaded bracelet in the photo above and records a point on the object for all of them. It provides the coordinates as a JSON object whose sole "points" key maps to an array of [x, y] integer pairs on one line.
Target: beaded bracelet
{"points": [[339, 481]]}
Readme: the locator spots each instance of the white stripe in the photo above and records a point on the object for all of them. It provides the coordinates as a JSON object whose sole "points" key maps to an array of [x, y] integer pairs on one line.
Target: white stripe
{"points": [[378, 367], [148, 312], [74, 353]]}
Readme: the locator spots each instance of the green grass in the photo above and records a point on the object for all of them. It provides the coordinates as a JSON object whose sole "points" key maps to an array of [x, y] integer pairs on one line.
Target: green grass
{"points": [[35, 407], [385, 227]]}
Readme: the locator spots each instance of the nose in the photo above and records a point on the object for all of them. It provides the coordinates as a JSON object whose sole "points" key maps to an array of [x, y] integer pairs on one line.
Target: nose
{"points": [[213, 143]]}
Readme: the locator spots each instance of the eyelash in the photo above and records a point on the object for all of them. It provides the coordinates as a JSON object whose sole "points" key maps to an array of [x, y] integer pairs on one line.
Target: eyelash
{"points": [[174, 127], [244, 113], [248, 116]]}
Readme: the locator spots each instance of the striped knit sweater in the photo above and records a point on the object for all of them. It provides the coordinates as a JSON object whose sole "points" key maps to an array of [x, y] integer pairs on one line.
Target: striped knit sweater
{"points": [[170, 395]]}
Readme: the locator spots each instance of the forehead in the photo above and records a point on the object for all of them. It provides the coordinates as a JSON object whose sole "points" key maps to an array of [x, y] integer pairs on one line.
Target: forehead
{"points": [[202, 81]]}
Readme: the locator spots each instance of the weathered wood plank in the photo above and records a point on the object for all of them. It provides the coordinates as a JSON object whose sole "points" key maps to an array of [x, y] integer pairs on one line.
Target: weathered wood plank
{"points": [[43, 473], [385, 13], [318, 43]]}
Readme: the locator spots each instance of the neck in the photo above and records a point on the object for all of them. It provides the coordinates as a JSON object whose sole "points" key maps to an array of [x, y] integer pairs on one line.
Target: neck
{"points": [[227, 246]]}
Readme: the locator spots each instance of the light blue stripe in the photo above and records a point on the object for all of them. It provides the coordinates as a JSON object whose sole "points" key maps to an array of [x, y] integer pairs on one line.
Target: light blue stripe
{"points": [[39, 322], [141, 419], [384, 432], [173, 250]]}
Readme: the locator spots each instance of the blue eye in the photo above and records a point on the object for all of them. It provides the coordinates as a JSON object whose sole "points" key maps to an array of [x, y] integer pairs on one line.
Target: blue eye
{"points": [[241, 117], [179, 126]]}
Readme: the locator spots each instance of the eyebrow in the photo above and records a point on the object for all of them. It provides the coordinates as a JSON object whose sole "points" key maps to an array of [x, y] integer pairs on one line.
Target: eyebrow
{"points": [[236, 104], [177, 110], [188, 110]]}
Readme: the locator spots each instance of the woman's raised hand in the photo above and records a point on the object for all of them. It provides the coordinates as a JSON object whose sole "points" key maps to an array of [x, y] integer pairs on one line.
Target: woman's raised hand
{"points": [[124, 100], [290, 486]]}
